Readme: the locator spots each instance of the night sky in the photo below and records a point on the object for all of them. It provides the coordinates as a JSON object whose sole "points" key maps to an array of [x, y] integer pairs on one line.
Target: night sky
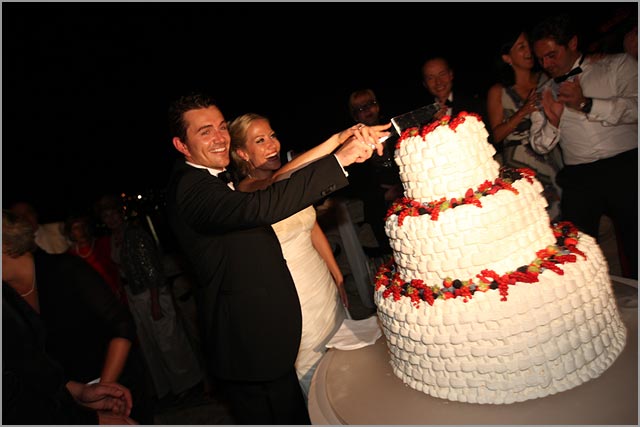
{"points": [[86, 86]]}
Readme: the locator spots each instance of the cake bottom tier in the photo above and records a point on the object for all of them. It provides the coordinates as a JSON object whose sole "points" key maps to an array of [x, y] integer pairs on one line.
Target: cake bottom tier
{"points": [[548, 336]]}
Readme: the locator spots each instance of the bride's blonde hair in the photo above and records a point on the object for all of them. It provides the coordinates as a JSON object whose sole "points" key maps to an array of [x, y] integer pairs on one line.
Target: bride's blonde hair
{"points": [[238, 131]]}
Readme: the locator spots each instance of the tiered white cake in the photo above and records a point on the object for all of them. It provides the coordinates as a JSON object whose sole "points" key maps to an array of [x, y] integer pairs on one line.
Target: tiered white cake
{"points": [[485, 301]]}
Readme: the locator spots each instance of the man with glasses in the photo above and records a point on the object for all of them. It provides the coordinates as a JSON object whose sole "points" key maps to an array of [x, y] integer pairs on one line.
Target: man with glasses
{"points": [[364, 107]]}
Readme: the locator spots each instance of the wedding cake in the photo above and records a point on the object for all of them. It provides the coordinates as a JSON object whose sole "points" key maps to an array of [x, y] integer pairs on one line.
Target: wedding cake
{"points": [[485, 301]]}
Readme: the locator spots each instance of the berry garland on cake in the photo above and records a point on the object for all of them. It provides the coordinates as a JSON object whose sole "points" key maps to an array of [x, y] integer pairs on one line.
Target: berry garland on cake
{"points": [[405, 207], [444, 121], [549, 258]]}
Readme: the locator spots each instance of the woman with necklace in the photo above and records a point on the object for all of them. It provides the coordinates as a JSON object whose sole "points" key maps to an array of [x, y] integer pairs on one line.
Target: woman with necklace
{"points": [[95, 250], [21, 273], [43, 313]]}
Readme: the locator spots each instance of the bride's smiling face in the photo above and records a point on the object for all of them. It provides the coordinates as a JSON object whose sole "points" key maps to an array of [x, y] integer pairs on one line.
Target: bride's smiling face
{"points": [[263, 147]]}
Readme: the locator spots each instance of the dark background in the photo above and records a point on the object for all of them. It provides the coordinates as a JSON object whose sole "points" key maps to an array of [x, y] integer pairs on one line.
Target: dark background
{"points": [[86, 86]]}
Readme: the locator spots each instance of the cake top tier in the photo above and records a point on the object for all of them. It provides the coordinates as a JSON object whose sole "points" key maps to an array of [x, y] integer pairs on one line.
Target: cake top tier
{"points": [[445, 158]]}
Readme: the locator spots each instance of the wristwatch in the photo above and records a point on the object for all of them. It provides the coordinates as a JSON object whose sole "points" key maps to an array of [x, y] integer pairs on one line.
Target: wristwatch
{"points": [[585, 106]]}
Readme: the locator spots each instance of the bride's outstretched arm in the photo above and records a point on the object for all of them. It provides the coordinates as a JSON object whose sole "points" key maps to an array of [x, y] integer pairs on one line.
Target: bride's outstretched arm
{"points": [[328, 147]]}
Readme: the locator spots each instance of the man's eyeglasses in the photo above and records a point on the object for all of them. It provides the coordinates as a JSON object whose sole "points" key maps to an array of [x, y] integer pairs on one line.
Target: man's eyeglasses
{"points": [[365, 107]]}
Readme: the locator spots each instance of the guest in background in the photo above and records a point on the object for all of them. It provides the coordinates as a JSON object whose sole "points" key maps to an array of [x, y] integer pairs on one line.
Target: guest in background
{"points": [[365, 108], [255, 150], [437, 78], [95, 250], [250, 309], [590, 109], [172, 363], [381, 170], [510, 103], [50, 237], [61, 328]]}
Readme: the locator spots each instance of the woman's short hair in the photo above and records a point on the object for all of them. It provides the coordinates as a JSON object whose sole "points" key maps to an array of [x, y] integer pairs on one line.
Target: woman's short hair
{"points": [[18, 236]]}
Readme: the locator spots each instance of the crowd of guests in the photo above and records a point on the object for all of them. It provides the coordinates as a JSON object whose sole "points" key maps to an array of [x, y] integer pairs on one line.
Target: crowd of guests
{"points": [[91, 320], [103, 303]]}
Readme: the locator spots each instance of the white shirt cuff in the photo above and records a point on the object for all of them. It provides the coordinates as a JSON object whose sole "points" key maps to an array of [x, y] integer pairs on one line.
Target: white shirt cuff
{"points": [[341, 167]]}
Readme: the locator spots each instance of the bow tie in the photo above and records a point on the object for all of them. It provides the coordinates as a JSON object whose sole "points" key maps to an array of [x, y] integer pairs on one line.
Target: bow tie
{"points": [[573, 72], [564, 77], [225, 176]]}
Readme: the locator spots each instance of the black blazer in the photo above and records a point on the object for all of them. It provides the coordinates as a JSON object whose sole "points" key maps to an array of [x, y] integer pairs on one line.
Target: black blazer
{"points": [[33, 384], [250, 313], [80, 313]]}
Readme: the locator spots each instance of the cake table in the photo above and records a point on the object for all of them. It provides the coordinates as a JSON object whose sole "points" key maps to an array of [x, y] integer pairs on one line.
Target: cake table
{"points": [[359, 387]]}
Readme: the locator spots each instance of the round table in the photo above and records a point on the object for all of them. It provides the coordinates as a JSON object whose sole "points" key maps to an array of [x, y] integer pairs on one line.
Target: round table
{"points": [[359, 387]]}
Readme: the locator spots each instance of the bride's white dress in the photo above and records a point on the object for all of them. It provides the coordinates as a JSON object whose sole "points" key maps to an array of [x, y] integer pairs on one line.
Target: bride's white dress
{"points": [[322, 310]]}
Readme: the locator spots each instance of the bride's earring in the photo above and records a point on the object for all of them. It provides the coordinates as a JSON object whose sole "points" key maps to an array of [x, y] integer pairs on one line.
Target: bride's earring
{"points": [[250, 167]]}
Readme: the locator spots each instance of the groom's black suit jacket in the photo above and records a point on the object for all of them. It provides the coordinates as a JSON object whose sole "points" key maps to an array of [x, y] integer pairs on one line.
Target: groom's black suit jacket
{"points": [[250, 313]]}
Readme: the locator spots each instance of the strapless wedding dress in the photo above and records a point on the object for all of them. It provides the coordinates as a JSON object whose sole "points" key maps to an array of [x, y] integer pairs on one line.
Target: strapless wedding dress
{"points": [[322, 310]]}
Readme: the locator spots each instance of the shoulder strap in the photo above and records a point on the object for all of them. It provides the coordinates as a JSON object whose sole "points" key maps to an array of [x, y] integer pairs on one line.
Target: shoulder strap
{"points": [[514, 96]]}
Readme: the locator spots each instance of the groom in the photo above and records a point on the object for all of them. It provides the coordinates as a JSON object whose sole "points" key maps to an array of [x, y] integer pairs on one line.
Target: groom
{"points": [[248, 304]]}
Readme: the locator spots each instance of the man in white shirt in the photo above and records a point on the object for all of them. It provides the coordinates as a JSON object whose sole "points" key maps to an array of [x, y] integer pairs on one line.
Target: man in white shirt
{"points": [[590, 108], [50, 236]]}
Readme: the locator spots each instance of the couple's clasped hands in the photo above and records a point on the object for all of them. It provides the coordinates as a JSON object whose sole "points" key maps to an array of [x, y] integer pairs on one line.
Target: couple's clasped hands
{"points": [[359, 142]]}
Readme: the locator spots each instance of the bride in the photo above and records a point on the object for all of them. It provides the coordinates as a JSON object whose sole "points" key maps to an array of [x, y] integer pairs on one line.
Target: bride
{"points": [[255, 150]]}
